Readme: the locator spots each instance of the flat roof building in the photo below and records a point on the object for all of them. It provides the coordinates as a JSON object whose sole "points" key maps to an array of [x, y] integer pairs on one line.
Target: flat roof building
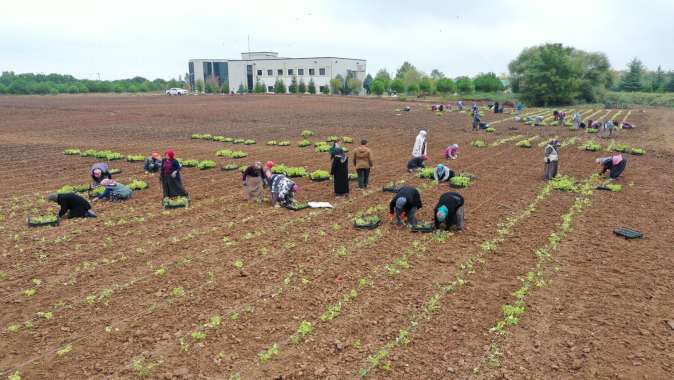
{"points": [[267, 67]]}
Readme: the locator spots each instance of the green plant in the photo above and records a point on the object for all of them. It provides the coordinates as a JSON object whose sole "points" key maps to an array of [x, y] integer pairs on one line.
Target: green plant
{"points": [[88, 153], [176, 202], [42, 219], [230, 167], [238, 141], [14, 376], [73, 189], [272, 142], [296, 172], [352, 176], [72, 152], [228, 140], [142, 370], [366, 220], [304, 143], [96, 191], [564, 183], [614, 187], [189, 163], [490, 130], [592, 130], [425, 173], [231, 153], [135, 157], [303, 330], [347, 139], [178, 291], [284, 143], [460, 181], [249, 142], [591, 146], [321, 147], [238, 264], [478, 144], [202, 136], [638, 151], [198, 336], [219, 138], [307, 133], [115, 171], [136, 184], [319, 175], [267, 354], [64, 351], [524, 143], [332, 138], [206, 164]]}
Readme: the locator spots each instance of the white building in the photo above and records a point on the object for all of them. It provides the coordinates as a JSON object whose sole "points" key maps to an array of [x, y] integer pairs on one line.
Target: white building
{"points": [[268, 67]]}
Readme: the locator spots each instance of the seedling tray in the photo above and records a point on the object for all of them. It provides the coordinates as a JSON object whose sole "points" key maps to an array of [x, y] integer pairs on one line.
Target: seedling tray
{"points": [[370, 226], [628, 233], [43, 224], [297, 206], [391, 189], [228, 169], [423, 228], [175, 205]]}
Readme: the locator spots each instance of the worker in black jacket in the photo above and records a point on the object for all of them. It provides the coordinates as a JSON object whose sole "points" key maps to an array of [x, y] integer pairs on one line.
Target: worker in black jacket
{"points": [[449, 210], [406, 201], [73, 205]]}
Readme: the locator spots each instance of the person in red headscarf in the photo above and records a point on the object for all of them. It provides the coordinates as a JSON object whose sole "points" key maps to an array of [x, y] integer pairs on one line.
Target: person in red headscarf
{"points": [[169, 176]]}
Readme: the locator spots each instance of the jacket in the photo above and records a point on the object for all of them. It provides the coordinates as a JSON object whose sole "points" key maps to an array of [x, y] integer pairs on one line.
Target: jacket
{"points": [[176, 168], [73, 203], [411, 194], [116, 191], [362, 157], [151, 165], [452, 201]]}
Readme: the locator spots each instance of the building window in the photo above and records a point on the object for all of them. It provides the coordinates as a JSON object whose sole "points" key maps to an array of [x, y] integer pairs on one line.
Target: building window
{"points": [[291, 72], [270, 72], [312, 71], [323, 89], [270, 88], [300, 71], [259, 73], [279, 71], [321, 71]]}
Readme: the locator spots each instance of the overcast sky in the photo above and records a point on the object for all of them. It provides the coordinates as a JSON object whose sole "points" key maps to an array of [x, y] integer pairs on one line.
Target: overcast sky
{"points": [[155, 38]]}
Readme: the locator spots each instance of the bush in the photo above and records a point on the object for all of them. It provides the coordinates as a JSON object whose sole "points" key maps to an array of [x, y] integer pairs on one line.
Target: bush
{"points": [[311, 87], [259, 87], [377, 87], [293, 87], [279, 87], [302, 87], [242, 89], [413, 89], [397, 86], [488, 83], [465, 85]]}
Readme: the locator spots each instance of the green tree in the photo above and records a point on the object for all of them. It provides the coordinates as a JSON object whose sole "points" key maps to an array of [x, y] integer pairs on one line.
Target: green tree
{"points": [[465, 85], [336, 84], [436, 75], [302, 87], [279, 87], [367, 83], [403, 69], [312, 86], [225, 87], [242, 89], [259, 87], [325, 89], [445, 86], [3, 89], [212, 84], [354, 86], [383, 76], [413, 89], [659, 80], [293, 85], [631, 79], [200, 85], [377, 87], [397, 86], [670, 83], [487, 83], [425, 86]]}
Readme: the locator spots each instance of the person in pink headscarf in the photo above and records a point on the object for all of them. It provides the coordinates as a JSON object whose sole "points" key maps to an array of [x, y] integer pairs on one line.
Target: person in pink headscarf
{"points": [[452, 152], [614, 164]]}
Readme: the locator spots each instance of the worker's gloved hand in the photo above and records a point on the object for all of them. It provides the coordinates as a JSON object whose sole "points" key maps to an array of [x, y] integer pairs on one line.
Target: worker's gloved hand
{"points": [[390, 216], [174, 174]]}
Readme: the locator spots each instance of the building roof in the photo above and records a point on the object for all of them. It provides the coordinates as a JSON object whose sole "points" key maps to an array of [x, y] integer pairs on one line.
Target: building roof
{"points": [[273, 59]]}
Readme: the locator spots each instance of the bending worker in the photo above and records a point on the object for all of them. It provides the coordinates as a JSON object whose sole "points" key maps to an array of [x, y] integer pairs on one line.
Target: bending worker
{"points": [[441, 173], [449, 211], [72, 205], [614, 164], [406, 202]]}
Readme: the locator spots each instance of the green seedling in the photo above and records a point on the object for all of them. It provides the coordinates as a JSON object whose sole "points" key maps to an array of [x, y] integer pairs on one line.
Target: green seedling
{"points": [[178, 291], [478, 144], [64, 351]]}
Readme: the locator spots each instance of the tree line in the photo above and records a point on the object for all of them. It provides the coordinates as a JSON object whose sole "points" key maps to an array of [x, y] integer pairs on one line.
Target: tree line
{"points": [[42, 84]]}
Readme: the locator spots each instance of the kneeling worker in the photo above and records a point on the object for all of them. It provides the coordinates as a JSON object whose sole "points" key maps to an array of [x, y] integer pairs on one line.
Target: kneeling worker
{"points": [[73, 205], [614, 164], [449, 210], [441, 173], [406, 201]]}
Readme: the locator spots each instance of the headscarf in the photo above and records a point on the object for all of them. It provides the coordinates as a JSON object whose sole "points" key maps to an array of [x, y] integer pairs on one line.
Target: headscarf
{"points": [[167, 167], [455, 146], [616, 159], [155, 156], [442, 213], [103, 167], [420, 147], [440, 169], [170, 154], [269, 164], [53, 197], [401, 202]]}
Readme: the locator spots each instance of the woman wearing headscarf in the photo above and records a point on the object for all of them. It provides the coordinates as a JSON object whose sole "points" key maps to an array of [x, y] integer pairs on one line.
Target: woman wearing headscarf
{"points": [[614, 164], [282, 190], [171, 182], [253, 182], [406, 202], [153, 163], [452, 152], [551, 159], [441, 173], [99, 172], [419, 152], [340, 172], [114, 191], [72, 205], [336, 145], [449, 210]]}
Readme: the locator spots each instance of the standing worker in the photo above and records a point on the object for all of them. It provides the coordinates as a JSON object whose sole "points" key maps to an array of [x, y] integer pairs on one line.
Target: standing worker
{"points": [[72, 205], [406, 202], [614, 164], [551, 159], [419, 152], [340, 173], [362, 160], [449, 210], [476, 120], [253, 182], [170, 179]]}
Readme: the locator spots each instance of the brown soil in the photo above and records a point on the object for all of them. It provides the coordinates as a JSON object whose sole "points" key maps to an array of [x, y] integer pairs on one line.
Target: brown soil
{"points": [[101, 305]]}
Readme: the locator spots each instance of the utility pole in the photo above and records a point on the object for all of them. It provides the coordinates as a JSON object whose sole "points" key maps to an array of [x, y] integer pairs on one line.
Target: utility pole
{"points": [[99, 76]]}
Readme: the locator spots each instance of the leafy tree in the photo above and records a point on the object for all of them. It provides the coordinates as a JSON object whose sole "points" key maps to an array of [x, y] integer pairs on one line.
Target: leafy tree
{"points": [[384, 77], [279, 87], [631, 80], [377, 87], [293, 85], [3, 89], [225, 87], [302, 87], [242, 89], [488, 83], [397, 86], [325, 89], [403, 69], [354, 86], [670, 83], [436, 75], [464, 85], [413, 89], [426, 86], [367, 83], [200, 85], [445, 86], [336, 84], [212, 84], [659, 80], [259, 87], [312, 86]]}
